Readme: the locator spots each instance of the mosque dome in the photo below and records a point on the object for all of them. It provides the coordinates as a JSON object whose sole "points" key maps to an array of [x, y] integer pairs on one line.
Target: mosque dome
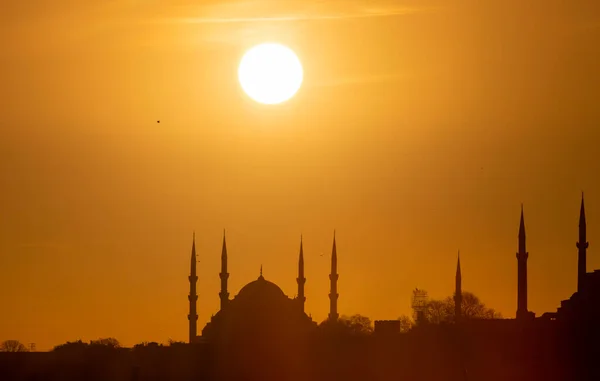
{"points": [[259, 312], [260, 289]]}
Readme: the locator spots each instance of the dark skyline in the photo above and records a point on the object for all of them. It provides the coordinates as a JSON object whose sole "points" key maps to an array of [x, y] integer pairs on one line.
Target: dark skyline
{"points": [[523, 314], [263, 334], [419, 129]]}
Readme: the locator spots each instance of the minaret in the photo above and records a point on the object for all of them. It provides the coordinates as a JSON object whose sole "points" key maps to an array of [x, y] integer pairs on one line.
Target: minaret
{"points": [[224, 275], [522, 256], [193, 297], [582, 245], [301, 279], [333, 295], [458, 293]]}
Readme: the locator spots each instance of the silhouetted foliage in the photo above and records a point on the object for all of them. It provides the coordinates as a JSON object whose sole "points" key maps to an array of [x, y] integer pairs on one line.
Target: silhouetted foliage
{"points": [[110, 342], [348, 325], [12, 346], [406, 323], [439, 311], [174, 343], [488, 350], [73, 346], [80, 346], [358, 324], [146, 344], [436, 311], [472, 307]]}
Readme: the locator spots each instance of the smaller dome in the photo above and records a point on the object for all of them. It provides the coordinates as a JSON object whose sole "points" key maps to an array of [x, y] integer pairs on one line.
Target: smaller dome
{"points": [[260, 288]]}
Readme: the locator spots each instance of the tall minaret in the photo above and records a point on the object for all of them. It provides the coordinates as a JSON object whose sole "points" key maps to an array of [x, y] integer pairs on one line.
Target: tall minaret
{"points": [[224, 275], [582, 245], [333, 295], [193, 297], [301, 279], [522, 256], [458, 293]]}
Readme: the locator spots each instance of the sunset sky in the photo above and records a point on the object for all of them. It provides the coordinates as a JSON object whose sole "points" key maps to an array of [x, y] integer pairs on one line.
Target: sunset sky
{"points": [[420, 128]]}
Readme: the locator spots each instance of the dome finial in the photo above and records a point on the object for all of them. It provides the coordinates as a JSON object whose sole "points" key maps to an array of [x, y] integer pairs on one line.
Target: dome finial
{"points": [[260, 272]]}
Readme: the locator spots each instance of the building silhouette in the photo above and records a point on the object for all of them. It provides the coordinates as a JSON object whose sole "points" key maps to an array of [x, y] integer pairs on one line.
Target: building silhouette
{"points": [[193, 297], [261, 334], [224, 275], [582, 245], [260, 308], [522, 256], [261, 298], [458, 292], [333, 277], [301, 280], [583, 307]]}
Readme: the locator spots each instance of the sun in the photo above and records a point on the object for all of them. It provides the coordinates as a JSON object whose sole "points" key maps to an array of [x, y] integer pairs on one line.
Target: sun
{"points": [[270, 73]]}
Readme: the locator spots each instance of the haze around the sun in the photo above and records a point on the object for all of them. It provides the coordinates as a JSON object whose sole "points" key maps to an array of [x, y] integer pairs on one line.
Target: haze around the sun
{"points": [[420, 129]]}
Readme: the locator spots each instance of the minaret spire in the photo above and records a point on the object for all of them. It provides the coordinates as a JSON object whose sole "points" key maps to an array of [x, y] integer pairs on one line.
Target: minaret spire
{"points": [[333, 294], [522, 256], [193, 297], [224, 275], [301, 279], [458, 292], [582, 245], [522, 231]]}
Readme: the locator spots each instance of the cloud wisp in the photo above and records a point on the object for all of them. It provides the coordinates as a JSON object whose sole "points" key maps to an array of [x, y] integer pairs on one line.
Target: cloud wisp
{"points": [[260, 11], [224, 20]]}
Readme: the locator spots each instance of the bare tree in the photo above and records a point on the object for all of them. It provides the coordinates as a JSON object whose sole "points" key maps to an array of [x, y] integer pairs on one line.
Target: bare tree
{"points": [[358, 324], [12, 346], [442, 311], [406, 323], [438, 311], [473, 308]]}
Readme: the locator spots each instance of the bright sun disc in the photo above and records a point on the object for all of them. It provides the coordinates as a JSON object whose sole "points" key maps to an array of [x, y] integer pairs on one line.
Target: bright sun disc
{"points": [[270, 73]]}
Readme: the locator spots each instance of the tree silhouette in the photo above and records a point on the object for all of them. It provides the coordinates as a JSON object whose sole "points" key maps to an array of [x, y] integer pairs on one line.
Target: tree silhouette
{"points": [[439, 311], [473, 308], [357, 324], [348, 325], [74, 346], [110, 342], [146, 344], [406, 323], [79, 346], [12, 346], [436, 311]]}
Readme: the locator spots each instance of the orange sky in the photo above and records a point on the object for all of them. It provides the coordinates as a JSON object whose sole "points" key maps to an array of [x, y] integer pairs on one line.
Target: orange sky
{"points": [[420, 128]]}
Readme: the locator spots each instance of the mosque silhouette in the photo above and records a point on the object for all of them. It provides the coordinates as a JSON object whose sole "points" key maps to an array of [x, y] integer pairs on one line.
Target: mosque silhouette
{"points": [[262, 308], [262, 335]]}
